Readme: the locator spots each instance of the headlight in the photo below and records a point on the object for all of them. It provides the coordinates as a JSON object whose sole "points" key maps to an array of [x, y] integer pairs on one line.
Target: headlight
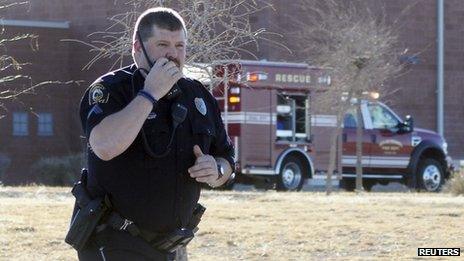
{"points": [[444, 146]]}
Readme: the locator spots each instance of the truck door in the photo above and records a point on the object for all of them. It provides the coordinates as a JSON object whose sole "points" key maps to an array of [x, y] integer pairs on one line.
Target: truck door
{"points": [[349, 141], [389, 148]]}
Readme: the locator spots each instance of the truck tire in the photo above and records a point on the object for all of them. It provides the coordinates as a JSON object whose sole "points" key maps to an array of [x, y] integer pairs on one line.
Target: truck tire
{"points": [[291, 176], [430, 175], [348, 184], [368, 184], [383, 182]]}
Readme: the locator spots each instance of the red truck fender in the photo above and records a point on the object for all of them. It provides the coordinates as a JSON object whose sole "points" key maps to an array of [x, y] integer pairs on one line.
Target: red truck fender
{"points": [[427, 149], [297, 152]]}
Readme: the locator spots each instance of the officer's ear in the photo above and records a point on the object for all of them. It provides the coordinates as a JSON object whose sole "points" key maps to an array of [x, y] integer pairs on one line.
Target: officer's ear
{"points": [[137, 46]]}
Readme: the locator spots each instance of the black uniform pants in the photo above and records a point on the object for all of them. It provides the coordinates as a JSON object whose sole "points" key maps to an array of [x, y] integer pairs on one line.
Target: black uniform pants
{"points": [[112, 245]]}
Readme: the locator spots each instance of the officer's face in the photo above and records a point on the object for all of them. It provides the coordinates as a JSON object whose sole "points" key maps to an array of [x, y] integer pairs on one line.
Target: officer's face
{"points": [[163, 43]]}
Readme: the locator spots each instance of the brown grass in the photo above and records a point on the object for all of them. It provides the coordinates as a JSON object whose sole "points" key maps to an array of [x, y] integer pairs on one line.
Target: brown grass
{"points": [[259, 225]]}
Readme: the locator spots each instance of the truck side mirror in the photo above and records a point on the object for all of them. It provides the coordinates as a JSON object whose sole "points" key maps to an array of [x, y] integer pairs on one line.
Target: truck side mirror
{"points": [[408, 125]]}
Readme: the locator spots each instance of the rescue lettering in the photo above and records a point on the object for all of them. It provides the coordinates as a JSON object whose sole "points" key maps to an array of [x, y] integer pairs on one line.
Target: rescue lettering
{"points": [[292, 78]]}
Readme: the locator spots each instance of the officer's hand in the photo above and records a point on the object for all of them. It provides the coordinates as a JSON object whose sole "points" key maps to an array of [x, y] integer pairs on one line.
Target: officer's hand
{"points": [[205, 168], [162, 76]]}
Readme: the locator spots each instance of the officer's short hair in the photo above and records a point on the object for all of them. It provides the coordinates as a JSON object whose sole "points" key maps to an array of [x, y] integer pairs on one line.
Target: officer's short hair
{"points": [[163, 18]]}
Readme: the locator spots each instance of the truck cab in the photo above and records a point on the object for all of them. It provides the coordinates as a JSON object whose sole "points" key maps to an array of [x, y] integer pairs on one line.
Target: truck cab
{"points": [[393, 150]]}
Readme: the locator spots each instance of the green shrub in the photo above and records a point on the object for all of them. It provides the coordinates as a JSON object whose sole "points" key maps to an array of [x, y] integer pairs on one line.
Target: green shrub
{"points": [[58, 171], [455, 184]]}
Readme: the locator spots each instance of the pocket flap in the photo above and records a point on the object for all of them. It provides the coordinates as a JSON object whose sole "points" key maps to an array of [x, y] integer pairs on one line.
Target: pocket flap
{"points": [[203, 127]]}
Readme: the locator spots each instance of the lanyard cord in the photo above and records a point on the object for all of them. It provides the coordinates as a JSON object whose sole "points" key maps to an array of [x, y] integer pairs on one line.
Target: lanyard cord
{"points": [[178, 112]]}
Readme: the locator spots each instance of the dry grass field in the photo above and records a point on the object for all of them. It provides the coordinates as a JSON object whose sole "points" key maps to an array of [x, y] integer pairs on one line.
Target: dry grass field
{"points": [[259, 225]]}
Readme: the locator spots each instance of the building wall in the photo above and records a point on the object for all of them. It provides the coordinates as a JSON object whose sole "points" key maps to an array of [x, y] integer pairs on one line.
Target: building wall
{"points": [[57, 60], [454, 77], [47, 63]]}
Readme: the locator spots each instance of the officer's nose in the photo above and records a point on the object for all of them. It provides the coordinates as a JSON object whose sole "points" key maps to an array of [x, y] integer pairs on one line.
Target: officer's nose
{"points": [[172, 52]]}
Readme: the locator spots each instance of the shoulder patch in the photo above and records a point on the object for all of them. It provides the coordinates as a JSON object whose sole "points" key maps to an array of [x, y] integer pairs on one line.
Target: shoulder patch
{"points": [[98, 94], [201, 106]]}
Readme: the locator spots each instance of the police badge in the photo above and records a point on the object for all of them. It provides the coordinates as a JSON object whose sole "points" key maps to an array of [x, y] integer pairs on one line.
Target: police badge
{"points": [[201, 106], [98, 94]]}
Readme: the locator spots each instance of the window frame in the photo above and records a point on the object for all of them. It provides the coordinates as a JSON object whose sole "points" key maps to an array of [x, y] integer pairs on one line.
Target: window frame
{"points": [[47, 124], [294, 136], [20, 126]]}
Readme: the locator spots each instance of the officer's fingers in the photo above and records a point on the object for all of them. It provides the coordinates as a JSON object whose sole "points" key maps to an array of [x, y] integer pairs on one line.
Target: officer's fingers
{"points": [[161, 62], [172, 71], [171, 68], [205, 179], [176, 76], [179, 74], [199, 167], [197, 151], [206, 158], [169, 65], [202, 173]]}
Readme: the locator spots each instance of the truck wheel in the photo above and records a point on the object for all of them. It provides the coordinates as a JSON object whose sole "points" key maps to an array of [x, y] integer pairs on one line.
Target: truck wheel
{"points": [[383, 182], [430, 175], [368, 184], [347, 184], [291, 175]]}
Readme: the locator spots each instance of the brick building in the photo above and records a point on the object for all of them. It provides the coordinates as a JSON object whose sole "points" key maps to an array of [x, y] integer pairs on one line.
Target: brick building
{"points": [[47, 124]]}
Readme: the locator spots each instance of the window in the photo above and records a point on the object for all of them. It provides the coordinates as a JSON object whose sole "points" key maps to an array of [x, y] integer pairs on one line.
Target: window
{"points": [[381, 117], [301, 117], [284, 118], [20, 124], [292, 118], [350, 120], [45, 124]]}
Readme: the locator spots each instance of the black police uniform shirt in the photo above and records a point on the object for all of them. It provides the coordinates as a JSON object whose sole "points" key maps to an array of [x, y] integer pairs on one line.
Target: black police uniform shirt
{"points": [[157, 194]]}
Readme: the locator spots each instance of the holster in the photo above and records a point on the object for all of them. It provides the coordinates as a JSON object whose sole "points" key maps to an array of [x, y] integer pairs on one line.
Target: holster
{"points": [[180, 237], [87, 214], [196, 217], [174, 240]]}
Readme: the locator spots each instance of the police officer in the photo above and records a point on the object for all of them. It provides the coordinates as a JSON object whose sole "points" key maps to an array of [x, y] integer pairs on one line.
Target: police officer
{"points": [[153, 138]]}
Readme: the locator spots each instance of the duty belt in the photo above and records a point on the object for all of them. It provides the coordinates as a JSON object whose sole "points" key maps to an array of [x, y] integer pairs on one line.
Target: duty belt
{"points": [[91, 215], [168, 242]]}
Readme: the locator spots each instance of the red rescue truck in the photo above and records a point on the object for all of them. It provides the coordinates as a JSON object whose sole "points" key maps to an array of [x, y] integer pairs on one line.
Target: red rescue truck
{"points": [[279, 139]]}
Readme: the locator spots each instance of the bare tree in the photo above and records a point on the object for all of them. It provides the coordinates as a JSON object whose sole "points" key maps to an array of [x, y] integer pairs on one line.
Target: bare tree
{"points": [[9, 65], [13, 84], [360, 48], [218, 30]]}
